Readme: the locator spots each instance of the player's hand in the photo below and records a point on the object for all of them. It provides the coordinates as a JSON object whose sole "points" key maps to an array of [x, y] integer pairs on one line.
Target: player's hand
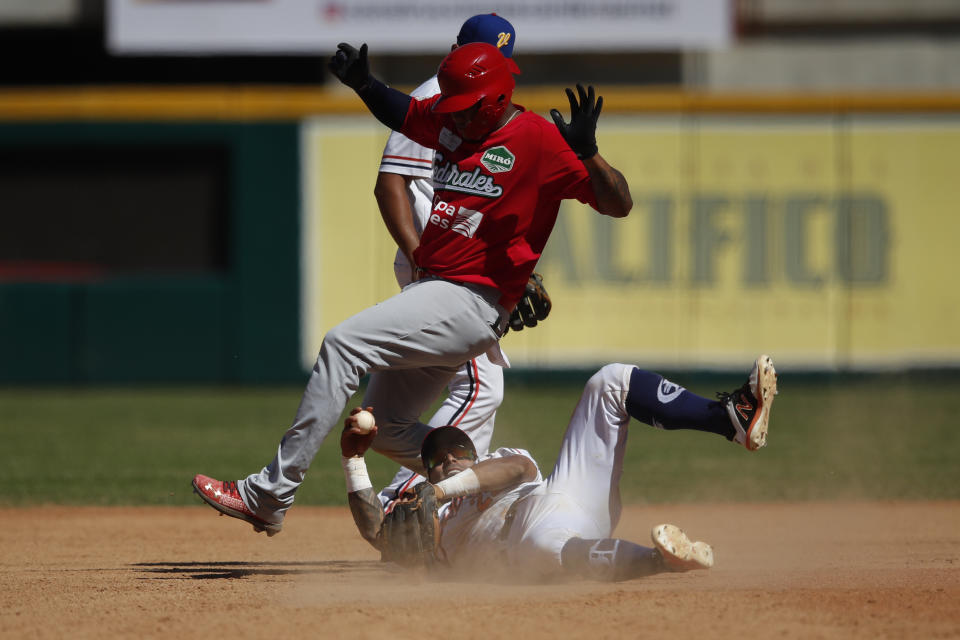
{"points": [[438, 492], [352, 441], [350, 65], [581, 133]]}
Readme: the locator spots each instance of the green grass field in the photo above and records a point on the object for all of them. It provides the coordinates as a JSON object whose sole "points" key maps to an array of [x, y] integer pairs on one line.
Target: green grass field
{"points": [[880, 437]]}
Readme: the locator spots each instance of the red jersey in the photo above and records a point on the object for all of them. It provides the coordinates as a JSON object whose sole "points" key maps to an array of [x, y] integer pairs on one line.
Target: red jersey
{"points": [[495, 202]]}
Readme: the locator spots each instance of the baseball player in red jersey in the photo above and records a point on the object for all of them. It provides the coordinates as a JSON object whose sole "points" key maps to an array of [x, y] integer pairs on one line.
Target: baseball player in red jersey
{"points": [[404, 193], [500, 175], [497, 513]]}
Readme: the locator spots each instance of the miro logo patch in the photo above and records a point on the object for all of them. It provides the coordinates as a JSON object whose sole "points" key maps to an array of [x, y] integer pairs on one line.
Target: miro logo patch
{"points": [[498, 159]]}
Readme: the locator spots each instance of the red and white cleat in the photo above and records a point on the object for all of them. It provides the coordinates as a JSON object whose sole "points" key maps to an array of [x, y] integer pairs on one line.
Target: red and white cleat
{"points": [[225, 498]]}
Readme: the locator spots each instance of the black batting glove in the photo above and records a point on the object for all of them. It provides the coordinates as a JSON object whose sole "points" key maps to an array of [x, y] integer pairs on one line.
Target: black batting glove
{"points": [[581, 133], [350, 65]]}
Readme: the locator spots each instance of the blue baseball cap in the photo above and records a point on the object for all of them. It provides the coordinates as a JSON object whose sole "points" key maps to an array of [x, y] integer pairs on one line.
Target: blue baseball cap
{"points": [[489, 28]]}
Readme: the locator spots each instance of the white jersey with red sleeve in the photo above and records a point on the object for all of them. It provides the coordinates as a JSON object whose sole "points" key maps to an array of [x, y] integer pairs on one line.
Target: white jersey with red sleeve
{"points": [[495, 202], [404, 157], [470, 526]]}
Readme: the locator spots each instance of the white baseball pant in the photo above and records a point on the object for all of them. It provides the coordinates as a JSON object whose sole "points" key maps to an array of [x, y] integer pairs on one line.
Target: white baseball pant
{"points": [[581, 497], [474, 394]]}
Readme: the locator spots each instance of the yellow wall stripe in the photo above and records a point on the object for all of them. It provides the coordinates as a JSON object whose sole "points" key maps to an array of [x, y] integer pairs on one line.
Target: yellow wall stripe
{"points": [[291, 103]]}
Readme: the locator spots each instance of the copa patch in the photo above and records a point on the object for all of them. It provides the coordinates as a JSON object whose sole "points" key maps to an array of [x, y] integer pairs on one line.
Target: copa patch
{"points": [[498, 159]]}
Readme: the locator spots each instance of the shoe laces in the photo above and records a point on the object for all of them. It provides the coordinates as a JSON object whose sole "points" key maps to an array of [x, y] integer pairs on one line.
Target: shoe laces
{"points": [[744, 389], [230, 486]]}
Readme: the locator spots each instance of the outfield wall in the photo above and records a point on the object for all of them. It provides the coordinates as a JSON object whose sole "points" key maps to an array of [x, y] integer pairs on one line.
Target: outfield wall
{"points": [[818, 228], [108, 276], [826, 240]]}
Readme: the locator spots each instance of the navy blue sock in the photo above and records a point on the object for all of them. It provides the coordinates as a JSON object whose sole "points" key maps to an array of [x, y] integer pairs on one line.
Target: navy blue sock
{"points": [[654, 400]]}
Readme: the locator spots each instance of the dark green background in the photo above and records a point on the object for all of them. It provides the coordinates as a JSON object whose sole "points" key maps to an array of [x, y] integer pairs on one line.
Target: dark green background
{"points": [[235, 325]]}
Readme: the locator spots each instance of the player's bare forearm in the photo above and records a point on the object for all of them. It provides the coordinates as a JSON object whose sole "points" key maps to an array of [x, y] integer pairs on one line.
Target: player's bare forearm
{"points": [[367, 514], [391, 194], [498, 474], [609, 187]]}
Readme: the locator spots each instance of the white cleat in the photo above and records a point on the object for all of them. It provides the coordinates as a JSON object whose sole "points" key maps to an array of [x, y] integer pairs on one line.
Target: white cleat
{"points": [[749, 406], [679, 553]]}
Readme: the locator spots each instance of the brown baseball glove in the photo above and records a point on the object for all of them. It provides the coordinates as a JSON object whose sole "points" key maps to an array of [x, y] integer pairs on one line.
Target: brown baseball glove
{"points": [[534, 306], [411, 531]]}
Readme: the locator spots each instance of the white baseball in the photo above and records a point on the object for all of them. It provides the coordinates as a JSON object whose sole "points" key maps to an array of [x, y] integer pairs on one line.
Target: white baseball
{"points": [[364, 421]]}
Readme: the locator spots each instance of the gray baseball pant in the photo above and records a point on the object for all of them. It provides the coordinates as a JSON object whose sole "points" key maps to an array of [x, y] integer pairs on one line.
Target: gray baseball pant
{"points": [[416, 340]]}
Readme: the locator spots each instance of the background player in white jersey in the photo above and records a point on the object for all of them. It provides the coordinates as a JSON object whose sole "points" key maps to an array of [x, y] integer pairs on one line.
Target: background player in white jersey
{"points": [[497, 511], [404, 193], [498, 187]]}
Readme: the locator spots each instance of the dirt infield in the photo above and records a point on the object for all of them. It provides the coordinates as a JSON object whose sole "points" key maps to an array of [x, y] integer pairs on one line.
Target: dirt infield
{"points": [[889, 570]]}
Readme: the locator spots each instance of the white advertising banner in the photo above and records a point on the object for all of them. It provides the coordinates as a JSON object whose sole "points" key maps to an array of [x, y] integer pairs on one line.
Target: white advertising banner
{"points": [[409, 26]]}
